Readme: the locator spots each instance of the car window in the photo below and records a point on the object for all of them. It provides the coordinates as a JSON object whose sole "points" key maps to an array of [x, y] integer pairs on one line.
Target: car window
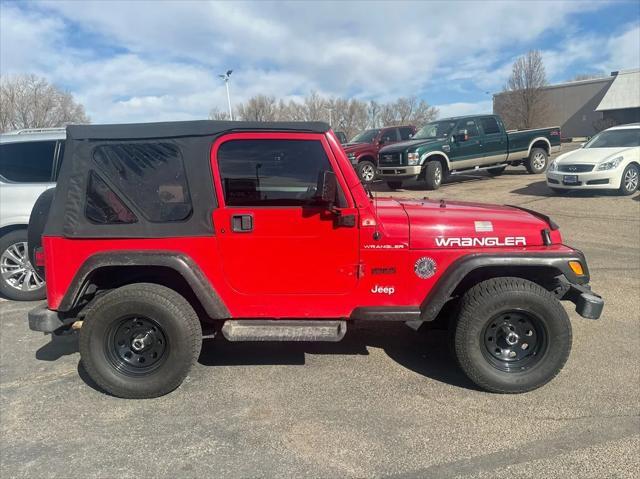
{"points": [[405, 133], [271, 172], [623, 138], [470, 126], [489, 125], [389, 136], [151, 175], [27, 161]]}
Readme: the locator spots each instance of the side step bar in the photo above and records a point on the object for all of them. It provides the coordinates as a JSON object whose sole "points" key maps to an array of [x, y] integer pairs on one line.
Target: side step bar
{"points": [[477, 168], [283, 330]]}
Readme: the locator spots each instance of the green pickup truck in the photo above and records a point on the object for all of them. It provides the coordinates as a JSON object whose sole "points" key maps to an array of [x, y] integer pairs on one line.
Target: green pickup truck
{"points": [[462, 144]]}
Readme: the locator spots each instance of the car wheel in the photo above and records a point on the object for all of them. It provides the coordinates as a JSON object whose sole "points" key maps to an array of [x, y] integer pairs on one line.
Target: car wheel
{"points": [[629, 181], [496, 171], [559, 191], [511, 336], [394, 185], [537, 161], [433, 175], [366, 171], [140, 341], [18, 279]]}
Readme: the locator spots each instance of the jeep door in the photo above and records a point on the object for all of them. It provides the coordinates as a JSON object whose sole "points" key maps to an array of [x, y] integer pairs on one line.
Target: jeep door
{"points": [[274, 238]]}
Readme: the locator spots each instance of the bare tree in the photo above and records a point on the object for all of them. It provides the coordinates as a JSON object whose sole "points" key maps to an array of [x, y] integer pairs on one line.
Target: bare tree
{"points": [[523, 103], [28, 101], [258, 108], [217, 114]]}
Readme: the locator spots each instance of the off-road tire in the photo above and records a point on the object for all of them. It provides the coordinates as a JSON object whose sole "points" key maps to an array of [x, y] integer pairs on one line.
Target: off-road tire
{"points": [[433, 175], [537, 162], [394, 185], [625, 188], [492, 298], [9, 240], [496, 171], [364, 169], [170, 311]]}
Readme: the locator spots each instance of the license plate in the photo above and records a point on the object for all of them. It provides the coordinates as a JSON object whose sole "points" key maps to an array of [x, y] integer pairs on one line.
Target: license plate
{"points": [[570, 179]]}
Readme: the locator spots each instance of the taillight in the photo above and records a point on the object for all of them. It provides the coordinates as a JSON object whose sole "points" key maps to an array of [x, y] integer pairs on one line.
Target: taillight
{"points": [[38, 257]]}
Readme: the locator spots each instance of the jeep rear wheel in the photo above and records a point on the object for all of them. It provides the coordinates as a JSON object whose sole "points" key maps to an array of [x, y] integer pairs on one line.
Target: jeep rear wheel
{"points": [[366, 171], [512, 335], [140, 341], [18, 279]]}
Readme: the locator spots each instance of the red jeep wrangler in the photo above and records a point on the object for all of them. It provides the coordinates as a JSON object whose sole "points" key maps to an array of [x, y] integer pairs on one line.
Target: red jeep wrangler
{"points": [[264, 231]]}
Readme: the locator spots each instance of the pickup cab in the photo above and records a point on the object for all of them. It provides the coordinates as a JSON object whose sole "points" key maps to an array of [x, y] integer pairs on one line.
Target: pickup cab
{"points": [[160, 234], [362, 149], [461, 144]]}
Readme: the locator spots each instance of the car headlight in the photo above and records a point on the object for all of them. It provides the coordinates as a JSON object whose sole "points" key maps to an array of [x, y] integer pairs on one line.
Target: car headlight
{"points": [[553, 166], [610, 164], [413, 159]]}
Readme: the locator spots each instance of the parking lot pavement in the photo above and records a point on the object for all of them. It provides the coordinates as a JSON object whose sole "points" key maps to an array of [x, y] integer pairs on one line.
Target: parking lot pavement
{"points": [[383, 403]]}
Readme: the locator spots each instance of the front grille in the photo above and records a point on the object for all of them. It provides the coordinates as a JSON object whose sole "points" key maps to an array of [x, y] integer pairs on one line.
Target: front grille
{"points": [[390, 159], [575, 168]]}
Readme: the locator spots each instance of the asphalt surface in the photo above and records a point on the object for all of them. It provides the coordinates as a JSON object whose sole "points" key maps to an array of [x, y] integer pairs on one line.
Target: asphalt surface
{"points": [[382, 403]]}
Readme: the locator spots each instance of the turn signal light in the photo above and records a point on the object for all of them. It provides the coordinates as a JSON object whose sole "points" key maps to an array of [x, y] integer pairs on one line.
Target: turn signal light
{"points": [[576, 267]]}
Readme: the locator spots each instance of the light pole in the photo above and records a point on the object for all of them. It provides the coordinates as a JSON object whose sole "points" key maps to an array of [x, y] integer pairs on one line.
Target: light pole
{"points": [[225, 77]]}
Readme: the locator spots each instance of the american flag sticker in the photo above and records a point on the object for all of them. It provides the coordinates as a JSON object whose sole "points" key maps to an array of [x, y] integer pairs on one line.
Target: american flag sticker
{"points": [[483, 226]]}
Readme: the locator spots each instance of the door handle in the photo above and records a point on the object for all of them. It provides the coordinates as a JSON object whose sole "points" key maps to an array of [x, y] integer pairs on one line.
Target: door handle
{"points": [[242, 223]]}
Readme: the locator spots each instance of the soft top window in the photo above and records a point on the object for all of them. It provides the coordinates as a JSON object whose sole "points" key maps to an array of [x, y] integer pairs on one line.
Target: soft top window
{"points": [[151, 175]]}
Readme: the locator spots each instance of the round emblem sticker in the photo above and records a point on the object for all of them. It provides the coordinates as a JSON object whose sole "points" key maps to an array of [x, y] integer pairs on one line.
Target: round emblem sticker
{"points": [[425, 268]]}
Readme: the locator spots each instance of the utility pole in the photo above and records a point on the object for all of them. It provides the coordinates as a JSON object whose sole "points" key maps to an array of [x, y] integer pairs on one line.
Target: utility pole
{"points": [[225, 77]]}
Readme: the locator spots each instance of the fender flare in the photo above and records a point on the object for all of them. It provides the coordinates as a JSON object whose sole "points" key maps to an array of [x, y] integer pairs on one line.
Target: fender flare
{"points": [[181, 263], [423, 158], [537, 139], [443, 290]]}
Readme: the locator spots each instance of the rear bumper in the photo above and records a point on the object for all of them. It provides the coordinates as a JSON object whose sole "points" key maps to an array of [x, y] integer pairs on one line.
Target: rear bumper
{"points": [[45, 320]]}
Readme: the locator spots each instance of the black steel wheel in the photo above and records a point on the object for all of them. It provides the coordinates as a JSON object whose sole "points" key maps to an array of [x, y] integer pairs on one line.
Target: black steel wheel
{"points": [[511, 336], [136, 345], [140, 340], [514, 340]]}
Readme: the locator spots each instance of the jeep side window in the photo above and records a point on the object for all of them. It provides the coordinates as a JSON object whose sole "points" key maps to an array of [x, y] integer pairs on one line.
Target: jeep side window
{"points": [[151, 175], [271, 172], [27, 161]]}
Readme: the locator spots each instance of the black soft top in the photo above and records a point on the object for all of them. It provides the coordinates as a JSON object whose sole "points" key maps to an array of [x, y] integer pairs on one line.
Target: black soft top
{"points": [[94, 152], [173, 129]]}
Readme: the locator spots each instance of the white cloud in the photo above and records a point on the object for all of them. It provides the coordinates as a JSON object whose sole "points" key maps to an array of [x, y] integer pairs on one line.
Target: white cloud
{"points": [[624, 50], [462, 108], [136, 61]]}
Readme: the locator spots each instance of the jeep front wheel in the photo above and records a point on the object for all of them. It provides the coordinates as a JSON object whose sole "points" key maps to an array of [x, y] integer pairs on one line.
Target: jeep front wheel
{"points": [[366, 171], [512, 335], [140, 341]]}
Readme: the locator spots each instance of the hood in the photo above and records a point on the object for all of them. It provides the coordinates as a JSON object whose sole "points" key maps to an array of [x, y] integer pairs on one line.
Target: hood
{"points": [[591, 155], [454, 224], [354, 147], [407, 145]]}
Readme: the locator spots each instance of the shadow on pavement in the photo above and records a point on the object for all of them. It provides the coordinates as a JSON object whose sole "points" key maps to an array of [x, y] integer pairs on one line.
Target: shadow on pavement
{"points": [[58, 346], [540, 188], [425, 353]]}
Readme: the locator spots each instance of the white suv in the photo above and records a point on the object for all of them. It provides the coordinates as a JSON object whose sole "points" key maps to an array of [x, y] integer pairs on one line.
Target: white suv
{"points": [[29, 164]]}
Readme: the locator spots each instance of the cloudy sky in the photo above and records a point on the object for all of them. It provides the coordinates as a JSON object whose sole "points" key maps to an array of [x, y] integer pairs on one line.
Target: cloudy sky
{"points": [[145, 61]]}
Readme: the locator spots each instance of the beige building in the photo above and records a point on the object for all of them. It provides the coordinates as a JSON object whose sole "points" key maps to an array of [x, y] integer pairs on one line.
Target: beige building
{"points": [[582, 108]]}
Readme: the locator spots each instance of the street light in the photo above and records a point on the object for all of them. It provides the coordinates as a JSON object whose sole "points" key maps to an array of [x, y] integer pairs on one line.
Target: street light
{"points": [[225, 77]]}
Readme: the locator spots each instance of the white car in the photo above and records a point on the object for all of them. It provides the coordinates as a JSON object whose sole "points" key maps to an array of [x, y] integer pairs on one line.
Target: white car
{"points": [[29, 164], [609, 161]]}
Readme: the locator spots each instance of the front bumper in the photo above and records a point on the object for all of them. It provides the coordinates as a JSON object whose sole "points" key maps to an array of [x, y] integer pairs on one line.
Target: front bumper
{"points": [[592, 180], [399, 172], [589, 305], [45, 320]]}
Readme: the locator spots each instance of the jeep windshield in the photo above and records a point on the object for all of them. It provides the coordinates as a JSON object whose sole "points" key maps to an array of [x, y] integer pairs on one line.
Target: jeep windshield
{"points": [[623, 138], [366, 136], [437, 129]]}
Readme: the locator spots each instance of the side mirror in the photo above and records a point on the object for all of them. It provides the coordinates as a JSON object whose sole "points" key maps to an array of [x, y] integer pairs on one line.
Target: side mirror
{"points": [[327, 187], [462, 135]]}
